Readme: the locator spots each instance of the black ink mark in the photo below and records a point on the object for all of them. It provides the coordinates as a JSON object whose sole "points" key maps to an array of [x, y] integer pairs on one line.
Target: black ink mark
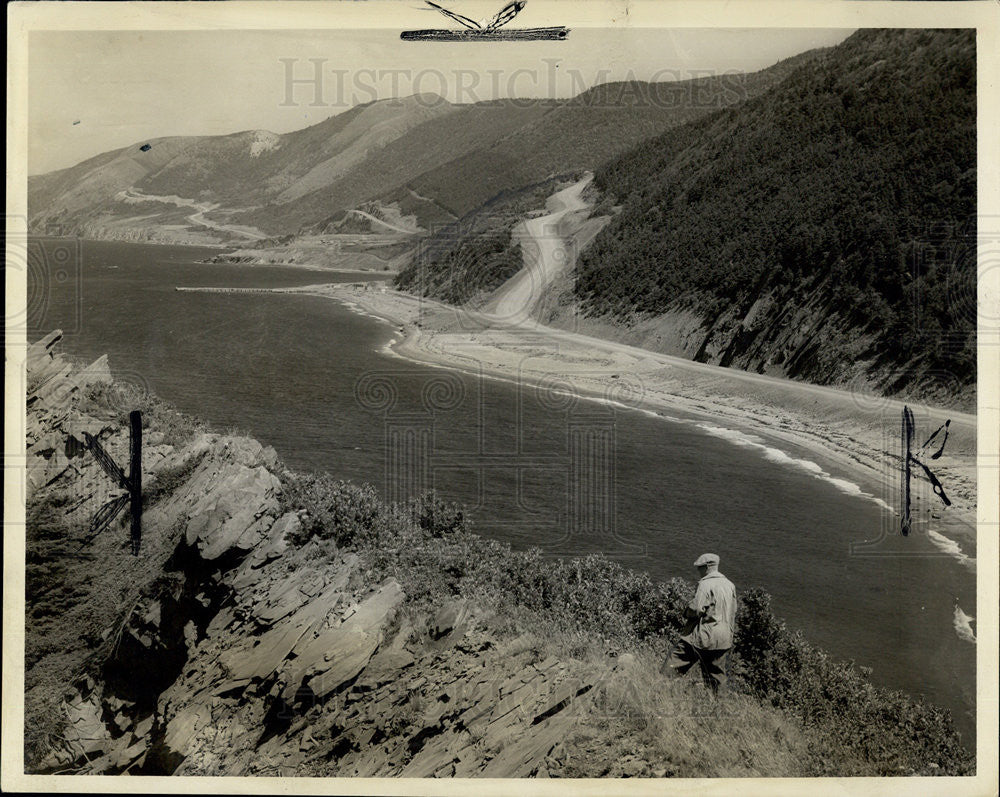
{"points": [[930, 439], [132, 484], [146, 147], [487, 30], [76, 122], [906, 520], [468, 23], [909, 458]]}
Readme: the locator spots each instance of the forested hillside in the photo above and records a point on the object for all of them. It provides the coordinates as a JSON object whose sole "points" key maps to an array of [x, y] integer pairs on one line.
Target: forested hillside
{"points": [[582, 133], [464, 260], [492, 188], [824, 230], [433, 159]]}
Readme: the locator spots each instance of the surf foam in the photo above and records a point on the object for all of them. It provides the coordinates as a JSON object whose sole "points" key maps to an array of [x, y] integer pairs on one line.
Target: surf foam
{"points": [[951, 548], [963, 625], [780, 457]]}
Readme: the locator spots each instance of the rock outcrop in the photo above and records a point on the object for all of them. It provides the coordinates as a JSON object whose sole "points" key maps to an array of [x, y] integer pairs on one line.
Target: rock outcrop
{"points": [[238, 658]]}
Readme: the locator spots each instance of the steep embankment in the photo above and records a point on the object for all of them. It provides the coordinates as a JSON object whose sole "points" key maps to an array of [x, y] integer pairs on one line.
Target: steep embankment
{"points": [[220, 652], [277, 624], [226, 648], [823, 231]]}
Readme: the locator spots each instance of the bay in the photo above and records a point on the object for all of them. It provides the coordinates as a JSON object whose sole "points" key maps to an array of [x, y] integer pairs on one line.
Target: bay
{"points": [[310, 377]]}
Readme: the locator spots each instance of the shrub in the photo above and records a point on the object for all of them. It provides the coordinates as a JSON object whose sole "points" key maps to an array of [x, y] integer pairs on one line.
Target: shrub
{"points": [[856, 727], [853, 727], [437, 517], [334, 509]]}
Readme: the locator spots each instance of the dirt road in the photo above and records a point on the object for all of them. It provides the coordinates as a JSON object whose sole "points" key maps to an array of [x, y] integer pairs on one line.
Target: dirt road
{"points": [[133, 196], [547, 254]]}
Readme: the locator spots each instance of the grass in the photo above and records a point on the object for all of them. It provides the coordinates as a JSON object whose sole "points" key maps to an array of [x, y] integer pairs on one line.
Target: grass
{"points": [[168, 480], [79, 596], [115, 400], [680, 729], [791, 708], [77, 603]]}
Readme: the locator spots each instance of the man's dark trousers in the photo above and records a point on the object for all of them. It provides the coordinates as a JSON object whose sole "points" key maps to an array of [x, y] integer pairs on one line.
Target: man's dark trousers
{"points": [[712, 663]]}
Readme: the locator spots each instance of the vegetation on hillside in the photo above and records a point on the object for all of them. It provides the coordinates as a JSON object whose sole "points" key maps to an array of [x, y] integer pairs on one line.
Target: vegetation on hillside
{"points": [[585, 131], [80, 591], [830, 719], [386, 171], [591, 605], [448, 159], [850, 186], [466, 259]]}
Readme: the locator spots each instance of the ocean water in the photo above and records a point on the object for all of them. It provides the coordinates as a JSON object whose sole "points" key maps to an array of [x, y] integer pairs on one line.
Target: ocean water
{"points": [[536, 467]]}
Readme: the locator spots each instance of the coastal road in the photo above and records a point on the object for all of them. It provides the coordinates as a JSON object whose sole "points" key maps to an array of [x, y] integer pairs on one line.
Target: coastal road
{"points": [[383, 222], [545, 240], [547, 253], [245, 232], [132, 196]]}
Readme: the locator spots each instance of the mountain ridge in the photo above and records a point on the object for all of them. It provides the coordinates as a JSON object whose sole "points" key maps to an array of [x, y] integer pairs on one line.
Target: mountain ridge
{"points": [[824, 231], [456, 156]]}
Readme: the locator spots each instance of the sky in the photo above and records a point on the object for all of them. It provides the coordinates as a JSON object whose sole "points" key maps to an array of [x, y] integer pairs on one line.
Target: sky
{"points": [[94, 91]]}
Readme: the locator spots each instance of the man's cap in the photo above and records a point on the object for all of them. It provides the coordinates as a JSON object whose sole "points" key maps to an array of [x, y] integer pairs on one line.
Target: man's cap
{"points": [[706, 559]]}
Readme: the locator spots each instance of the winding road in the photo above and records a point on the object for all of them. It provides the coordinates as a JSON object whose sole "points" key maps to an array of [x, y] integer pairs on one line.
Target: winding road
{"points": [[383, 222], [198, 217], [547, 254], [548, 251]]}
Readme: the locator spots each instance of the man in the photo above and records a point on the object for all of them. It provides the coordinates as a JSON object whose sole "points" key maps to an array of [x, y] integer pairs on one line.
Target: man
{"points": [[711, 622]]}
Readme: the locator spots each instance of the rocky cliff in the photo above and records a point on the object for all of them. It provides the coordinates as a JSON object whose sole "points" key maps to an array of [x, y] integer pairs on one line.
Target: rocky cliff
{"points": [[267, 628], [233, 660]]}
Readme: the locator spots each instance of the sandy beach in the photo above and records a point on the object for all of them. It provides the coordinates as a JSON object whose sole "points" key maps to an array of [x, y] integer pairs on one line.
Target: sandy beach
{"points": [[851, 438], [851, 435]]}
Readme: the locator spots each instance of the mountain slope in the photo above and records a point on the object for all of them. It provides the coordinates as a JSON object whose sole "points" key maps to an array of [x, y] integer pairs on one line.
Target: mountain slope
{"points": [[584, 132], [232, 172], [436, 160], [385, 171], [824, 230]]}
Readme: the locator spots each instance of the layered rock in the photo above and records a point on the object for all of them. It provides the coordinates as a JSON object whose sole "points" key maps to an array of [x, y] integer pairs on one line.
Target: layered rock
{"points": [[238, 658]]}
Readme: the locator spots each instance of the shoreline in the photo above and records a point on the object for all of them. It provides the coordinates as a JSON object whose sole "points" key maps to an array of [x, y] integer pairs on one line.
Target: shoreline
{"points": [[852, 436], [232, 481], [303, 266], [219, 246]]}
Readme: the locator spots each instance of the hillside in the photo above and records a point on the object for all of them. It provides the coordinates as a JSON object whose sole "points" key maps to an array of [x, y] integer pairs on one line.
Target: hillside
{"points": [[492, 189], [285, 624], [386, 171], [584, 132], [221, 175], [824, 230], [467, 259], [434, 160]]}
